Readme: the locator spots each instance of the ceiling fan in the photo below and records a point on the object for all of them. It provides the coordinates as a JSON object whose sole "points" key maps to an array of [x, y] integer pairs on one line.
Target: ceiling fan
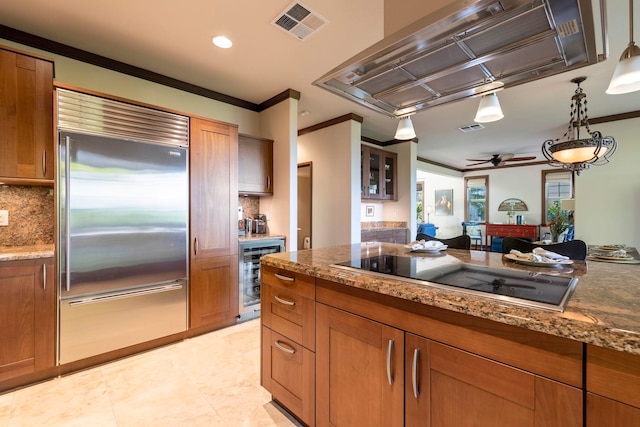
{"points": [[500, 159]]}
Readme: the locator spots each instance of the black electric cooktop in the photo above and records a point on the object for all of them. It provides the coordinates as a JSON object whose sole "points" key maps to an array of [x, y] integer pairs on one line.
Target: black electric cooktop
{"points": [[520, 287]]}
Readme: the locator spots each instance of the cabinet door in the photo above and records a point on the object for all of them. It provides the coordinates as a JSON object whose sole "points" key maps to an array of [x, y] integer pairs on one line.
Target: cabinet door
{"points": [[461, 389], [213, 291], [388, 180], [359, 371], [213, 160], [27, 316], [255, 171], [26, 116]]}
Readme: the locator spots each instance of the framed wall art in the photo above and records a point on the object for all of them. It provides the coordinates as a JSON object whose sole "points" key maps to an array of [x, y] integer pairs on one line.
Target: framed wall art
{"points": [[444, 202]]}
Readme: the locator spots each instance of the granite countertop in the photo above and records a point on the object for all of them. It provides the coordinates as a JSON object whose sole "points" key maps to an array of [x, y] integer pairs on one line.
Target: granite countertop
{"points": [[604, 309], [382, 225], [13, 253], [253, 237]]}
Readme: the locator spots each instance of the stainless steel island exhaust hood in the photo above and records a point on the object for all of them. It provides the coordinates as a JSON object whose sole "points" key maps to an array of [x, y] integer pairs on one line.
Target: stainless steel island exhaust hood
{"points": [[467, 49]]}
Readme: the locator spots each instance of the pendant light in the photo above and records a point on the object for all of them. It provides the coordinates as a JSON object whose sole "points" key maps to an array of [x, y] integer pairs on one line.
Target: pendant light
{"points": [[626, 77], [578, 154], [405, 129], [489, 109]]}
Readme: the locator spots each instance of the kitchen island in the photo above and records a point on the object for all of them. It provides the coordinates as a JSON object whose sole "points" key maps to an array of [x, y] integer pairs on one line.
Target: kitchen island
{"points": [[430, 343]]}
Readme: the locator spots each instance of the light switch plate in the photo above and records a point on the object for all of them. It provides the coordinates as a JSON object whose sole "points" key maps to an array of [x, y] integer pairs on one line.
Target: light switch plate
{"points": [[4, 218]]}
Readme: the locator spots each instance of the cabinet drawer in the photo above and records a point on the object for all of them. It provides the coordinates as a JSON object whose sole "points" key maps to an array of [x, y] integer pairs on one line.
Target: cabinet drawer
{"points": [[288, 373], [289, 314], [300, 284]]}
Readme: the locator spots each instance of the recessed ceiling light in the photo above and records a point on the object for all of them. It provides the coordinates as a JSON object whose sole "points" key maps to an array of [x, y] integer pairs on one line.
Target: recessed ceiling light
{"points": [[222, 42]]}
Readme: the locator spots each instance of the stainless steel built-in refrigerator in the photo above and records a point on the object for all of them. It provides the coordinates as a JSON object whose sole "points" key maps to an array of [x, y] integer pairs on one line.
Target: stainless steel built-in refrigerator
{"points": [[123, 242]]}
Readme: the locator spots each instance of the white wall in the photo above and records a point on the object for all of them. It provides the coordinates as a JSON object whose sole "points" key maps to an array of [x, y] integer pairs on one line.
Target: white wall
{"points": [[335, 154], [448, 225], [280, 123], [608, 197]]}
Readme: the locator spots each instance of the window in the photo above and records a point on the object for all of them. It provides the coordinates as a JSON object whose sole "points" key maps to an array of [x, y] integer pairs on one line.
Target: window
{"points": [[557, 185], [476, 198]]}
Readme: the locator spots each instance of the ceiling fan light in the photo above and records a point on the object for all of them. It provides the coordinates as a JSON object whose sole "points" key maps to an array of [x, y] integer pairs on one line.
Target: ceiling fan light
{"points": [[626, 77], [405, 129], [489, 109]]}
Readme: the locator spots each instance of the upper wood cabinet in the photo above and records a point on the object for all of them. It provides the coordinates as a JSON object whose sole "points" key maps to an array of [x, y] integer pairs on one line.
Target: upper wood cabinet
{"points": [[379, 174], [213, 160], [26, 117], [255, 169], [28, 317]]}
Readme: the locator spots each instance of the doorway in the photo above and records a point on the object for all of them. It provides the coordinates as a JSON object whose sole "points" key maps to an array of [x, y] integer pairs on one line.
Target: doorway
{"points": [[304, 205]]}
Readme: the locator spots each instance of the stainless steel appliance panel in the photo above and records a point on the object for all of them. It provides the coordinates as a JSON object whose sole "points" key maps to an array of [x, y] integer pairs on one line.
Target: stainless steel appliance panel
{"points": [[98, 324], [124, 208], [249, 273]]}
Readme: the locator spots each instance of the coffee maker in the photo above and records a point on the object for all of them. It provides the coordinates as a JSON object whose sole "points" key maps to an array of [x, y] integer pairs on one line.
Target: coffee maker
{"points": [[259, 224]]}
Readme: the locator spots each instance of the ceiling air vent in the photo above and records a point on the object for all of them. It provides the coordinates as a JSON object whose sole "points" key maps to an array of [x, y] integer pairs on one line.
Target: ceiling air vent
{"points": [[470, 128], [300, 21]]}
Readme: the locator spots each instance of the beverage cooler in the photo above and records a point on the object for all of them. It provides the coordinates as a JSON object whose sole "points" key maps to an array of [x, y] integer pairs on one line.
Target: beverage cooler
{"points": [[249, 255]]}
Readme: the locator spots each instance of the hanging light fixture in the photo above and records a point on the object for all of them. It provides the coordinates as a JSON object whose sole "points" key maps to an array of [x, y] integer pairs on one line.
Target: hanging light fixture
{"points": [[405, 129], [578, 154], [626, 77], [489, 109]]}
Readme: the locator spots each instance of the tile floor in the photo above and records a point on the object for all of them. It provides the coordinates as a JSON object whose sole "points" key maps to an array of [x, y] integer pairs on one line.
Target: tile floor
{"points": [[210, 380]]}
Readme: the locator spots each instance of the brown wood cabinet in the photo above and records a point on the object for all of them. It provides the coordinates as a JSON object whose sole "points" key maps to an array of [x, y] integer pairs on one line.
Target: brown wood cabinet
{"points": [[613, 388], [213, 164], [255, 169], [379, 174], [26, 118], [436, 372], [359, 371], [394, 235], [27, 316], [465, 368], [288, 360]]}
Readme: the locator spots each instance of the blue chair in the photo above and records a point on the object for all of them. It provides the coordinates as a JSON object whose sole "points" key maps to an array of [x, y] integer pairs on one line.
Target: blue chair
{"points": [[496, 244], [427, 228], [569, 235], [473, 230]]}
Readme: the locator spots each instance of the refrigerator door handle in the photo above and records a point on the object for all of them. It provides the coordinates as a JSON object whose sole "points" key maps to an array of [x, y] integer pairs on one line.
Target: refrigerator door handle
{"points": [[128, 294], [67, 214]]}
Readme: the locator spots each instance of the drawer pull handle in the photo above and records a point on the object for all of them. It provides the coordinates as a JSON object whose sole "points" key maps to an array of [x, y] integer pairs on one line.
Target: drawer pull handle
{"points": [[389, 352], [284, 278], [284, 347], [284, 301], [414, 373]]}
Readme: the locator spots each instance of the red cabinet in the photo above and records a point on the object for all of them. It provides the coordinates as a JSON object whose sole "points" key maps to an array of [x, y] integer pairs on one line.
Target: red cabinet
{"points": [[511, 230]]}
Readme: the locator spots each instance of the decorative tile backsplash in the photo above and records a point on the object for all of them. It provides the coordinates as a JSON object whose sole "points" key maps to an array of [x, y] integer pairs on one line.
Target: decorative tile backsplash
{"points": [[31, 215]]}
